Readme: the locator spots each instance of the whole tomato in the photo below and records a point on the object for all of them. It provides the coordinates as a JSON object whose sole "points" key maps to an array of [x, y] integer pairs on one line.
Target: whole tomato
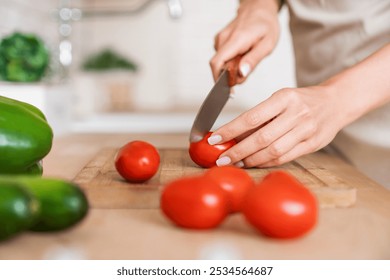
{"points": [[235, 181], [194, 202], [280, 206], [137, 161], [204, 154]]}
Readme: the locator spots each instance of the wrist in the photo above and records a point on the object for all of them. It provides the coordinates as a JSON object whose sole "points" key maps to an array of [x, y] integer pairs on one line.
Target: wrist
{"points": [[349, 102], [272, 6]]}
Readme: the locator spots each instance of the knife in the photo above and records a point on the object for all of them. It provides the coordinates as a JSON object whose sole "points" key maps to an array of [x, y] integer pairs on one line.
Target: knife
{"points": [[215, 101]]}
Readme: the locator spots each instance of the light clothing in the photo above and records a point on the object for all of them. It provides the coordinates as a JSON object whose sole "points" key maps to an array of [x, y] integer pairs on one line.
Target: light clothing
{"points": [[330, 36]]}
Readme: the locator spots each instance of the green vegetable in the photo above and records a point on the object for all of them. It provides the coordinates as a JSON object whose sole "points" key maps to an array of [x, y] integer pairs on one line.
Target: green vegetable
{"points": [[25, 137], [108, 60], [27, 106], [39, 204], [62, 203], [19, 210], [35, 169], [23, 58]]}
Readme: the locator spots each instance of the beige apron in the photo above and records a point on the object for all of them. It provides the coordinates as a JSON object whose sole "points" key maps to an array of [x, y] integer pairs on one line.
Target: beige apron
{"points": [[332, 35]]}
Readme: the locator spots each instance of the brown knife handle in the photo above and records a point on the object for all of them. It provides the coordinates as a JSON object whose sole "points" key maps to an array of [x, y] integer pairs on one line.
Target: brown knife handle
{"points": [[232, 67]]}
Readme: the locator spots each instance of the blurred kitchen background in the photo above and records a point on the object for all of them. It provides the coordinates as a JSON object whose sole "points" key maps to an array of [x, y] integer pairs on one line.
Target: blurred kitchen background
{"points": [[162, 47]]}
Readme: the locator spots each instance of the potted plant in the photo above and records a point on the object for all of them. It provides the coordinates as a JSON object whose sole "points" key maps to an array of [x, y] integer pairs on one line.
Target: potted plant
{"points": [[111, 83], [24, 61]]}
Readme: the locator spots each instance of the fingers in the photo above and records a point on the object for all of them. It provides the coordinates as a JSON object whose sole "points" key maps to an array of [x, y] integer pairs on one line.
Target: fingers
{"points": [[254, 31], [261, 140], [221, 38], [246, 134], [233, 46], [270, 131], [300, 149], [252, 119], [253, 57], [278, 152], [254, 41], [291, 123], [236, 40], [230, 47]]}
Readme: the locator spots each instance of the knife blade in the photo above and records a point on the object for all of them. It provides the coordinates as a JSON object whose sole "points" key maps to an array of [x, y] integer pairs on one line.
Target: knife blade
{"points": [[215, 101]]}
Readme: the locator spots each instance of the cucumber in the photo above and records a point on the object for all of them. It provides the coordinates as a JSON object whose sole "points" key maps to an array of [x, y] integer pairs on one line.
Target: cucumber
{"points": [[62, 203], [19, 209]]}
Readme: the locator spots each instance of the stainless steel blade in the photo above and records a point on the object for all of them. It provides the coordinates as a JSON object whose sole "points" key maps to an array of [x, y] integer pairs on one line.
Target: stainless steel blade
{"points": [[211, 108]]}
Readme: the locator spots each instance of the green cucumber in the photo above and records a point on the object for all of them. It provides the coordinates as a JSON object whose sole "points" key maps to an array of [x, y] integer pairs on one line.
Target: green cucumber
{"points": [[19, 209], [62, 203]]}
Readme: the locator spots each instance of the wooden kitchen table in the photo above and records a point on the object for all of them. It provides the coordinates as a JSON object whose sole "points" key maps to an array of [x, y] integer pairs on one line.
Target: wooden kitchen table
{"points": [[358, 232]]}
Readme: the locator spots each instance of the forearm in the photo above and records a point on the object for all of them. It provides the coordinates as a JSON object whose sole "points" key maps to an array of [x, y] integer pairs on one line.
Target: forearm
{"points": [[363, 87]]}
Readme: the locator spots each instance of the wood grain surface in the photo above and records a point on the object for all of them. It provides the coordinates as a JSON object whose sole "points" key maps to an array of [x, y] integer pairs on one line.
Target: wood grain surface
{"points": [[358, 232], [106, 189]]}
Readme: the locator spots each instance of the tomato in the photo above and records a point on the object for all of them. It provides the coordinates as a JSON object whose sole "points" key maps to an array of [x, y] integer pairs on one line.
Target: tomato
{"points": [[204, 154], [137, 161], [280, 206], [235, 181], [194, 202]]}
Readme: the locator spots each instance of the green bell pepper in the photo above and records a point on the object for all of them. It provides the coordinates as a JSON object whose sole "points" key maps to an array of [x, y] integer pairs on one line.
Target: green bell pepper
{"points": [[25, 137]]}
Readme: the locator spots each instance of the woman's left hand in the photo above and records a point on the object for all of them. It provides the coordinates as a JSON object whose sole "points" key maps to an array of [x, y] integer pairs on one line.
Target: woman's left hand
{"points": [[298, 121], [291, 123]]}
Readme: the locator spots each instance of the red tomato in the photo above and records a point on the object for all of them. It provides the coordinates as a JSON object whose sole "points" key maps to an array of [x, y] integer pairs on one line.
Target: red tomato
{"points": [[280, 206], [137, 161], [235, 181], [194, 202], [204, 154]]}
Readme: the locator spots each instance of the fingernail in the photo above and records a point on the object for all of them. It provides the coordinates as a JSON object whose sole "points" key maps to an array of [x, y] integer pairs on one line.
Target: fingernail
{"points": [[245, 69], [223, 161], [239, 164], [214, 139]]}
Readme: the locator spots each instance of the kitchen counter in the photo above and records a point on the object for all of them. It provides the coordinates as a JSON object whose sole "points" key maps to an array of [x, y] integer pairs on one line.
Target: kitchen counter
{"points": [[358, 232]]}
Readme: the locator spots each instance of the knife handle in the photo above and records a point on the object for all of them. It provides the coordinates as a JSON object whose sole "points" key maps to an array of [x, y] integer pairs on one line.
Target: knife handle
{"points": [[232, 68]]}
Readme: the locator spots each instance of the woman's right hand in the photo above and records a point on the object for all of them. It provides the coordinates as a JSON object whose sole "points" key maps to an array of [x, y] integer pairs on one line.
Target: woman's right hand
{"points": [[253, 33]]}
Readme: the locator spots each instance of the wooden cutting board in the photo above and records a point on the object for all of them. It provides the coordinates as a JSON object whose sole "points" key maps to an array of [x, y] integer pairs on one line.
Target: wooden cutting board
{"points": [[106, 189]]}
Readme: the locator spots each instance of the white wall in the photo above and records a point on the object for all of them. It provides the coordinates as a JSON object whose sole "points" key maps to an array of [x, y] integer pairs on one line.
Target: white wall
{"points": [[29, 16], [174, 54], [37, 17]]}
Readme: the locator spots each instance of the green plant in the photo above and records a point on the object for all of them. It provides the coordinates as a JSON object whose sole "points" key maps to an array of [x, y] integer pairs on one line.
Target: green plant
{"points": [[23, 58], [108, 60]]}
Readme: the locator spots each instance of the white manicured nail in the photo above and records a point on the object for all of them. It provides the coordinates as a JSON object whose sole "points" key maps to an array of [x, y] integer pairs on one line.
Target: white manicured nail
{"points": [[245, 69], [223, 161], [215, 139], [239, 164]]}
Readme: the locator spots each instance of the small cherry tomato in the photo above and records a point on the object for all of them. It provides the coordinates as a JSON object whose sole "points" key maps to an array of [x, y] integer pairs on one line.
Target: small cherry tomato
{"points": [[235, 181], [204, 154], [280, 206], [194, 202], [137, 161]]}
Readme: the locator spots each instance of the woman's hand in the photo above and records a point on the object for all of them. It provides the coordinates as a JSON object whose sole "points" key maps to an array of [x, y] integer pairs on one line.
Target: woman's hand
{"points": [[253, 34], [298, 121], [291, 123]]}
